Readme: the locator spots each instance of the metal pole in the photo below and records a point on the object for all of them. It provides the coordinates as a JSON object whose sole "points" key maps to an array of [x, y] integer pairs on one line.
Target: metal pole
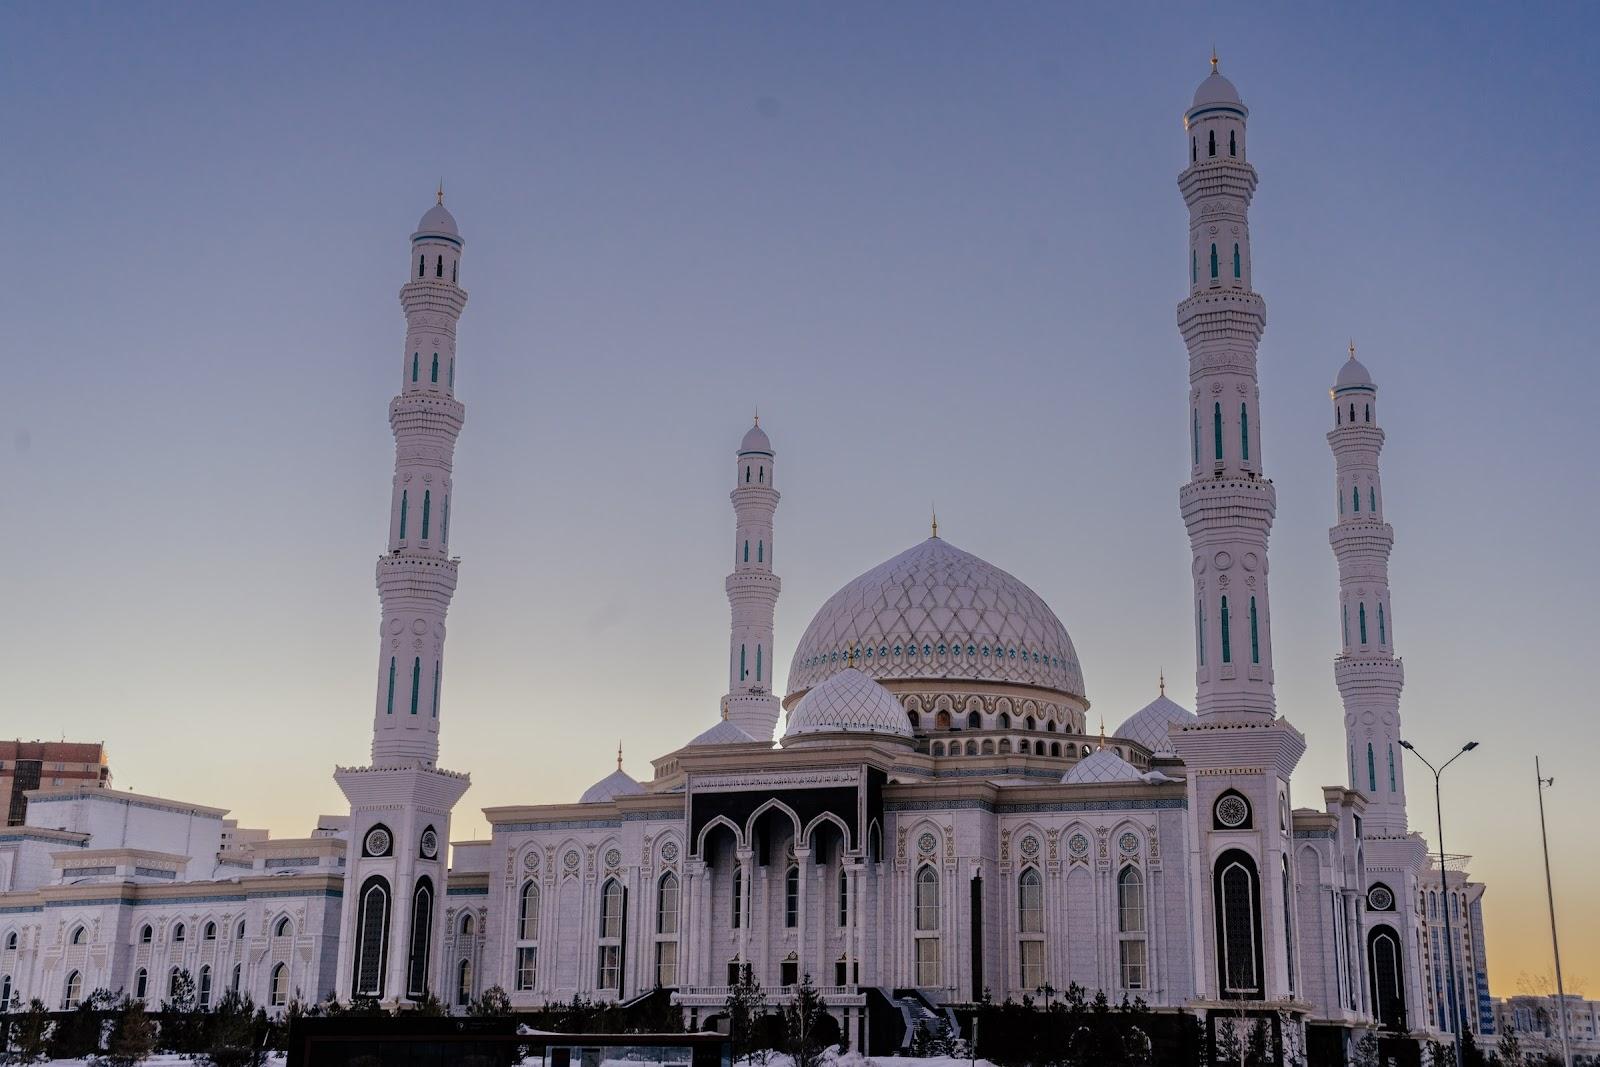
{"points": [[1449, 942], [1555, 943]]}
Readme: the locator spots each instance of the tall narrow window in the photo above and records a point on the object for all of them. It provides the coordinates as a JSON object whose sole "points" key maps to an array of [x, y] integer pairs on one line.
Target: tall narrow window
{"points": [[1352, 413], [422, 266], [1372, 771], [761, 475], [746, 552], [434, 374], [844, 900], [1391, 769], [1200, 630], [1213, 259], [527, 967], [1194, 150], [1236, 263], [372, 946], [1216, 429], [435, 689], [452, 372], [1341, 503], [1288, 924], [405, 511], [427, 512], [738, 896], [791, 898], [528, 913], [1372, 498], [444, 526], [742, 672], [1366, 412], [1030, 904], [236, 978], [416, 365], [667, 905], [438, 267], [1194, 436], [1238, 926], [610, 969], [1355, 498], [1211, 142], [278, 991], [141, 986], [421, 938], [927, 924], [1233, 144], [747, 476], [389, 710], [1383, 635], [455, 271], [1227, 637], [1131, 928], [1255, 639], [205, 985], [1244, 431], [758, 663], [1344, 621], [416, 682], [464, 983], [1361, 615], [1194, 267], [761, 551]]}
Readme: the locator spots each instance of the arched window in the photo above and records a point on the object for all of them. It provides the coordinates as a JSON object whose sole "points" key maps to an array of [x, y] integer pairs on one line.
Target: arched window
{"points": [[1372, 498], [791, 898], [205, 985], [1194, 150], [738, 896], [1004, 720], [464, 928], [172, 983], [1385, 975], [1227, 638], [427, 512], [667, 904], [283, 927], [747, 552], [1255, 641], [1030, 904], [389, 707], [844, 897], [1352, 413], [1288, 924], [422, 266], [141, 986], [1361, 616], [1344, 621], [761, 551], [77, 935], [610, 969], [238, 931], [178, 932], [743, 670], [452, 372], [1383, 636], [1244, 431], [238, 976], [1131, 948], [1194, 267], [758, 663], [1366, 412], [927, 925], [1236, 263], [1213, 259], [1238, 920], [435, 689], [72, 991], [455, 271], [433, 375], [528, 913], [1355, 498], [1372, 771], [405, 510], [209, 932], [1211, 142], [416, 682], [438, 268], [417, 969], [146, 935], [444, 527], [416, 365], [1232, 144], [1200, 631], [278, 990], [1194, 436], [372, 945], [464, 983], [1216, 429], [761, 476], [1391, 769]]}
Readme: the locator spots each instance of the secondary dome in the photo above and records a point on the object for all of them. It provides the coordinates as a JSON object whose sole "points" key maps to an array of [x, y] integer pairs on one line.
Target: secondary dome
{"points": [[935, 612], [1148, 725], [1102, 765], [848, 703], [438, 219], [1353, 373], [616, 784], [1216, 90]]}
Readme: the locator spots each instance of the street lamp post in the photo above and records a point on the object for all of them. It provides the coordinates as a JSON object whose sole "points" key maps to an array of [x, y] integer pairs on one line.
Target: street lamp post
{"points": [[1444, 882], [1550, 894]]}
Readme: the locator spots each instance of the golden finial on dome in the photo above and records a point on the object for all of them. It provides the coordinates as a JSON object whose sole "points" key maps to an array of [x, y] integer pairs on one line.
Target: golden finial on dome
{"points": [[441, 192], [758, 416], [934, 511], [1352, 348], [1163, 677], [1213, 59]]}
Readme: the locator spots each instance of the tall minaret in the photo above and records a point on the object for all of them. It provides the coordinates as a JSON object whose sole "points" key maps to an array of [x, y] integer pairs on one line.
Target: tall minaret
{"points": [[752, 590], [1369, 675], [400, 806], [1227, 505]]}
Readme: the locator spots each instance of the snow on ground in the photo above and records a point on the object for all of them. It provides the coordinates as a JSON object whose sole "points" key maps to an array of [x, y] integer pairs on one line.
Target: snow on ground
{"points": [[161, 1059]]}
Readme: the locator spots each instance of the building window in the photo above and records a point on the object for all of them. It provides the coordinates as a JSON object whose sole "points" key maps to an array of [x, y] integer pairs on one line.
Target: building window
{"points": [[422, 266], [844, 899], [1372, 771], [1244, 431], [789, 971], [1200, 630], [417, 969], [527, 967], [1255, 640], [1211, 142], [666, 964], [1227, 640], [761, 551], [667, 904], [528, 916], [464, 983], [209, 932], [405, 509], [1238, 918], [427, 512], [927, 962], [1030, 959], [738, 896], [1355, 498], [927, 900], [389, 707], [205, 986], [610, 971], [1391, 769], [178, 933], [141, 986], [1232, 144], [172, 982], [238, 931], [1362, 617], [1383, 636], [1131, 958], [372, 946], [1130, 901], [1030, 903], [1236, 259], [416, 681], [279, 993], [1288, 924], [72, 992], [434, 373], [1213, 260], [146, 935], [416, 365], [791, 898], [1216, 428], [238, 975]]}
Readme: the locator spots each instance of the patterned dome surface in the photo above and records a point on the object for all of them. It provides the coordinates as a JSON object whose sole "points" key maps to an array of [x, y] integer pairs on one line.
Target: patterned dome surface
{"points": [[724, 733], [936, 612], [1148, 725], [616, 784], [848, 702], [1102, 765]]}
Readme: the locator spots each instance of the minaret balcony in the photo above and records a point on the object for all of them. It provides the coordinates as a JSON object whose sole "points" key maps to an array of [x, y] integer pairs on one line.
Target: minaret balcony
{"points": [[1221, 176], [1220, 318], [436, 296]]}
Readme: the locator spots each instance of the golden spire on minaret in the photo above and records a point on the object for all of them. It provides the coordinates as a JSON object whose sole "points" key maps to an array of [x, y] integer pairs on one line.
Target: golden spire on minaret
{"points": [[1352, 348], [441, 192], [1102, 731]]}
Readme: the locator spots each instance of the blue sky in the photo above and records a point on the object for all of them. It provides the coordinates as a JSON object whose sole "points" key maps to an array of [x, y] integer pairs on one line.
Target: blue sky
{"points": [[939, 246]]}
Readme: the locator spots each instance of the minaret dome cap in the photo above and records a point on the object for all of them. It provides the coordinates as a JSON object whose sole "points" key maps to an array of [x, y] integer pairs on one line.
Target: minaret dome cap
{"points": [[438, 219], [1353, 373], [1216, 90], [755, 440]]}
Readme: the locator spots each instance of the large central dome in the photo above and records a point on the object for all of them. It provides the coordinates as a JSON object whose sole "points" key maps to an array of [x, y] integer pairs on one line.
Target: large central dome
{"points": [[936, 613]]}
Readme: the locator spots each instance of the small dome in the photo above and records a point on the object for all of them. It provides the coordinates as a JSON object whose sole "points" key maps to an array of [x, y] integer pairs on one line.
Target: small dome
{"points": [[1216, 90], [438, 220], [755, 440], [1102, 765], [724, 733], [616, 784], [1353, 373], [848, 702], [1148, 725]]}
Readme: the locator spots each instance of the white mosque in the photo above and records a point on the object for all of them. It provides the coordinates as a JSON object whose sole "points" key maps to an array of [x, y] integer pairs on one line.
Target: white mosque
{"points": [[933, 820]]}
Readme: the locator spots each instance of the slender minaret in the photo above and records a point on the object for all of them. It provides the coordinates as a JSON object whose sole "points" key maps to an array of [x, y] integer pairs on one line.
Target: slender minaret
{"points": [[1369, 675], [1227, 505], [752, 591], [400, 806]]}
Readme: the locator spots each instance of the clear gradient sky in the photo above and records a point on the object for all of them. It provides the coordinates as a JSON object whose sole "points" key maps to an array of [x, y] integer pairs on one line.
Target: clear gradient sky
{"points": [[938, 245]]}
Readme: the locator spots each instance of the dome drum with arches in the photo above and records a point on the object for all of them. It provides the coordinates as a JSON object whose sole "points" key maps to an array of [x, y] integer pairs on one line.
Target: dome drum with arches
{"points": [[936, 614]]}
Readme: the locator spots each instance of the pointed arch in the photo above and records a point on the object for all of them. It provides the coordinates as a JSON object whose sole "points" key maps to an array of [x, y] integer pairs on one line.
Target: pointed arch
{"points": [[417, 964], [528, 903], [1030, 901], [1216, 428], [1255, 639], [278, 989], [772, 804], [1227, 638], [819, 821], [372, 944], [1236, 888], [711, 824]]}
